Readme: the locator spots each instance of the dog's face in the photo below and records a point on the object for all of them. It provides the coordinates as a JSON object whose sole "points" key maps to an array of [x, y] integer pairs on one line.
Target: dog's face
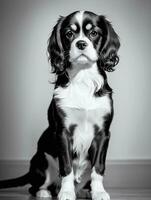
{"points": [[83, 38], [80, 35]]}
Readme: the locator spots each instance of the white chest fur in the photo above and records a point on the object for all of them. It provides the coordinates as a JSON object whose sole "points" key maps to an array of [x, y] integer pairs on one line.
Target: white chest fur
{"points": [[84, 110], [79, 93]]}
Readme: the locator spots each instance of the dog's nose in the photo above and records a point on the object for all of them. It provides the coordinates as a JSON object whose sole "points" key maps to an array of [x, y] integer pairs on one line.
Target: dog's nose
{"points": [[81, 44]]}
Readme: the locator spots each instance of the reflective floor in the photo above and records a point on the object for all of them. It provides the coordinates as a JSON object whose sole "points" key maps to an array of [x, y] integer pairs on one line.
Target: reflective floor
{"points": [[118, 194]]}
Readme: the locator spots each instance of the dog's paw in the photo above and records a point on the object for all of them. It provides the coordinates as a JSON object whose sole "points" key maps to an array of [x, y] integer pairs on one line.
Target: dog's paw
{"points": [[100, 195], [43, 194], [66, 195]]}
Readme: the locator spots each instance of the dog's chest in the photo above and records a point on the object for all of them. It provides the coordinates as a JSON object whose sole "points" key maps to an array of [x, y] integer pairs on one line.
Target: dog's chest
{"points": [[83, 111]]}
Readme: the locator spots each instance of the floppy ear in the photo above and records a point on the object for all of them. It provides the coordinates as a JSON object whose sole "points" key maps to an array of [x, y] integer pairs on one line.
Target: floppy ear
{"points": [[109, 47], [55, 49]]}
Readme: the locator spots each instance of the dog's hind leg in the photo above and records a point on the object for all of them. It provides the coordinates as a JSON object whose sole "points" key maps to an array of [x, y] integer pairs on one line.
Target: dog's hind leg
{"points": [[51, 178], [39, 176], [44, 170]]}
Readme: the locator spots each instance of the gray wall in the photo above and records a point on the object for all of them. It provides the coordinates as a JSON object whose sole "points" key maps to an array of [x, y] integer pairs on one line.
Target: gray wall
{"points": [[24, 72]]}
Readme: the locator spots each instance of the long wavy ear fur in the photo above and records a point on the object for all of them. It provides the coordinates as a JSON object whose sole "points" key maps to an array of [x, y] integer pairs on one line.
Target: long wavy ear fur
{"points": [[55, 49], [110, 45]]}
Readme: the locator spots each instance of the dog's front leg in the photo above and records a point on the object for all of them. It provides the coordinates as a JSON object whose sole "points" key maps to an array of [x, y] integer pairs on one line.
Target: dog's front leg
{"points": [[67, 191], [97, 153]]}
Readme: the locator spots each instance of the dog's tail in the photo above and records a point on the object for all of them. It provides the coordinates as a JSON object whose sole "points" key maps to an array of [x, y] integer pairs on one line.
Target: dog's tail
{"points": [[16, 182]]}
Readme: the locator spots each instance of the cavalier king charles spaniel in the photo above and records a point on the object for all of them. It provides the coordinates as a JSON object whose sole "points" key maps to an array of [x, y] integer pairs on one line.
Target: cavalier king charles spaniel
{"points": [[72, 150]]}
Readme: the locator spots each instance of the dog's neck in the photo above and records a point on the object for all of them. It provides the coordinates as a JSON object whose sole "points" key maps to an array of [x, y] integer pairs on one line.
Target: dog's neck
{"points": [[76, 68], [87, 75]]}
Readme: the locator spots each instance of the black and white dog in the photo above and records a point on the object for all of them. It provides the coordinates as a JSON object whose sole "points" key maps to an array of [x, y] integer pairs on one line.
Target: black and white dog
{"points": [[81, 48]]}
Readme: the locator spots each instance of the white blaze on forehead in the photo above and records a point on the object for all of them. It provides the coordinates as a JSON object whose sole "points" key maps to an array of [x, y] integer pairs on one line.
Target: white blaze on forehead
{"points": [[79, 18]]}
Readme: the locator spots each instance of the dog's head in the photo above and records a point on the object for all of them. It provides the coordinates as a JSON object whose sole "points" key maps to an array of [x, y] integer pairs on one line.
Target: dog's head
{"points": [[83, 38]]}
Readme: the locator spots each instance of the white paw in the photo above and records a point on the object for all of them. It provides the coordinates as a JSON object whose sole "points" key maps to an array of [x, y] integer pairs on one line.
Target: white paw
{"points": [[67, 188], [100, 195], [66, 195], [43, 194]]}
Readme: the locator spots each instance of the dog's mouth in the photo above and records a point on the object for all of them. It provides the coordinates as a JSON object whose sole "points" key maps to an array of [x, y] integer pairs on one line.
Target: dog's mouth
{"points": [[83, 58]]}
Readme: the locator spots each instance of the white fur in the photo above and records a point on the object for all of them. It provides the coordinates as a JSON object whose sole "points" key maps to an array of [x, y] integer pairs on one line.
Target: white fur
{"points": [[97, 189], [67, 188], [79, 18], [80, 165], [82, 139], [74, 27], [43, 193], [88, 26], [89, 53]]}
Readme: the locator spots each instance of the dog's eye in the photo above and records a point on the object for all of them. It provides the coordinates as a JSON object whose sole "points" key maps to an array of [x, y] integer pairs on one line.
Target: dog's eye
{"points": [[93, 34], [69, 34]]}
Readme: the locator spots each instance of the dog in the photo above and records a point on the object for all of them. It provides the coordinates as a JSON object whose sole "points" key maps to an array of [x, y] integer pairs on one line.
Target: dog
{"points": [[81, 48]]}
